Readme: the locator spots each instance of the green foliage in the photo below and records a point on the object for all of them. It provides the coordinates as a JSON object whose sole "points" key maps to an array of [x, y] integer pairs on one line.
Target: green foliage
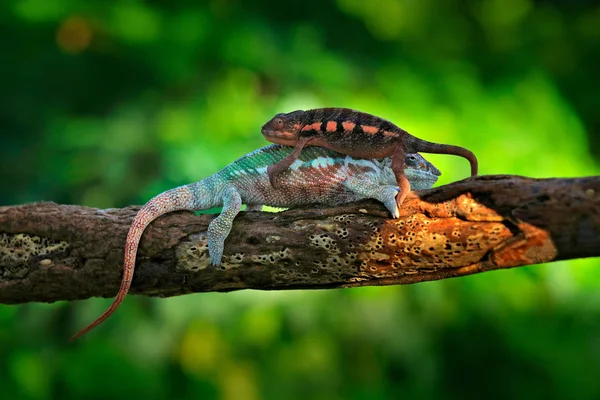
{"points": [[109, 103]]}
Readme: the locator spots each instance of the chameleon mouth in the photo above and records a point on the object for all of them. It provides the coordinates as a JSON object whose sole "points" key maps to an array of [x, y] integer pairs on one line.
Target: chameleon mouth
{"points": [[434, 170], [279, 137]]}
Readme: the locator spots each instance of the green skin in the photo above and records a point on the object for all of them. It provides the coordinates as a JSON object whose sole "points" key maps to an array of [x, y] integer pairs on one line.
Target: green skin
{"points": [[319, 176]]}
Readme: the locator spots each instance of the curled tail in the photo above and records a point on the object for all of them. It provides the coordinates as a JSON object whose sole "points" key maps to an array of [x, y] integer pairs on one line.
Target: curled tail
{"points": [[415, 145], [181, 198]]}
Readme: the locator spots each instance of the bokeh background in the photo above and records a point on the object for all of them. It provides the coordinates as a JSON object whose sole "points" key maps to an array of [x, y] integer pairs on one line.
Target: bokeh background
{"points": [[107, 103]]}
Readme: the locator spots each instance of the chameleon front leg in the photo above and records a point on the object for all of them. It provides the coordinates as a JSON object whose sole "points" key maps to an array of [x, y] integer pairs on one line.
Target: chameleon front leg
{"points": [[398, 159], [274, 170], [219, 228], [372, 190]]}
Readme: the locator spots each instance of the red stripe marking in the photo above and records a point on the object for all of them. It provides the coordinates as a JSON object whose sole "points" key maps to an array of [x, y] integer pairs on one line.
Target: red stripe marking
{"points": [[348, 126], [370, 130], [390, 134], [331, 126], [312, 127]]}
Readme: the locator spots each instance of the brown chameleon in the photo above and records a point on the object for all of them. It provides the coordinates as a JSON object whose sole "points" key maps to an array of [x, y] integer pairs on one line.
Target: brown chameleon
{"points": [[354, 133]]}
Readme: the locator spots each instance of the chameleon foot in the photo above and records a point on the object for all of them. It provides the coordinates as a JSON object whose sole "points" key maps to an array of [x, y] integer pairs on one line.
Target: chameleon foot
{"points": [[368, 187], [220, 227], [388, 199]]}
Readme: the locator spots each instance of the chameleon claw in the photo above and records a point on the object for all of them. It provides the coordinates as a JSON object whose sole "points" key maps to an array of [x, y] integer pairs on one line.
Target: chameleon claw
{"points": [[399, 201], [402, 195], [395, 211], [215, 259], [391, 203], [215, 251]]}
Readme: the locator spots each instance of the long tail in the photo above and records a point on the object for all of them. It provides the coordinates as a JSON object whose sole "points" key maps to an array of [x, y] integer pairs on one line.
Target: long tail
{"points": [[419, 145], [181, 198]]}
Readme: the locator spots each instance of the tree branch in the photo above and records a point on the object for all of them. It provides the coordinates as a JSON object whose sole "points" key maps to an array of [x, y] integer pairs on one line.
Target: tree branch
{"points": [[51, 252]]}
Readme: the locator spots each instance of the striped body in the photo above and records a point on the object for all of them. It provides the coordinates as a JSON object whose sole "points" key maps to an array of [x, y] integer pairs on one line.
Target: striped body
{"points": [[317, 176], [347, 131], [352, 132]]}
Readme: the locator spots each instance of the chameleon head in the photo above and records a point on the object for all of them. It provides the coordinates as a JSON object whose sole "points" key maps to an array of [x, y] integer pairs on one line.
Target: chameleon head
{"points": [[284, 128], [418, 162], [420, 172]]}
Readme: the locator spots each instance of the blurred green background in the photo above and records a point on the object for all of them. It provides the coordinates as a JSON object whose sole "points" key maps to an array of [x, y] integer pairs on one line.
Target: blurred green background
{"points": [[107, 103]]}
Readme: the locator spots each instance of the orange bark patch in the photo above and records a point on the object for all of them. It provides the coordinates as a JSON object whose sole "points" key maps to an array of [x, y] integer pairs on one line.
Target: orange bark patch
{"points": [[331, 126], [370, 130]]}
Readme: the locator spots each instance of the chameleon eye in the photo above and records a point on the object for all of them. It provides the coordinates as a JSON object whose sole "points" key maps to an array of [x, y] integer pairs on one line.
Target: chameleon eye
{"points": [[278, 123]]}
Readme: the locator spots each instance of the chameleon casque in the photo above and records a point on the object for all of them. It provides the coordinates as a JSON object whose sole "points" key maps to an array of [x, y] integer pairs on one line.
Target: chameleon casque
{"points": [[317, 176], [354, 133]]}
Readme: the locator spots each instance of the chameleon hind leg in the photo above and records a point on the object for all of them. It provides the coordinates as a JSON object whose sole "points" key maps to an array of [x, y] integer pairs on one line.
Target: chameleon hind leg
{"points": [[219, 228], [274, 170], [398, 159], [373, 190]]}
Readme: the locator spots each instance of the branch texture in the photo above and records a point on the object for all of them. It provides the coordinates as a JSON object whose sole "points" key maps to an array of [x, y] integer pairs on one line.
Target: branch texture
{"points": [[51, 252]]}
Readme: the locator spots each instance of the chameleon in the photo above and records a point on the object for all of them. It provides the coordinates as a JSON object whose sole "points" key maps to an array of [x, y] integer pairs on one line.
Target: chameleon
{"points": [[318, 176], [354, 133]]}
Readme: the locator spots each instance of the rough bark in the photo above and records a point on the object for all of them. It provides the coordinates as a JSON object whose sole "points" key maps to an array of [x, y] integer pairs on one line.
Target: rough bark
{"points": [[51, 252]]}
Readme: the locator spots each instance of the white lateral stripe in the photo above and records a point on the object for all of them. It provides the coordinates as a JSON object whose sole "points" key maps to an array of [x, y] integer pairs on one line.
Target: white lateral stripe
{"points": [[296, 164]]}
